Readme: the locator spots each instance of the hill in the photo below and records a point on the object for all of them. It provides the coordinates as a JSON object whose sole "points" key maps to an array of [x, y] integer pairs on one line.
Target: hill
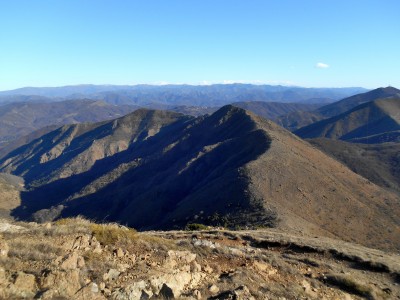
{"points": [[296, 120], [372, 122], [154, 169], [349, 103], [78, 259], [22, 118], [380, 163]]}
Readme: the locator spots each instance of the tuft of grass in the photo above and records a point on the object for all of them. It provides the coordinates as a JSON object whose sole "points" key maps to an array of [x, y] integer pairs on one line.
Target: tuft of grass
{"points": [[110, 234], [350, 285], [72, 221]]}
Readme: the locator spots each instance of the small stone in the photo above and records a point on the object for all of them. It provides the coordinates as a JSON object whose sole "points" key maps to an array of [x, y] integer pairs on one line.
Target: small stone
{"points": [[195, 267], [197, 294], [91, 291], [272, 272], [213, 289], [261, 266], [80, 262], [2, 275], [3, 248], [208, 269], [81, 242], [119, 252], [111, 275], [107, 292], [97, 250], [102, 286], [122, 267], [132, 258]]}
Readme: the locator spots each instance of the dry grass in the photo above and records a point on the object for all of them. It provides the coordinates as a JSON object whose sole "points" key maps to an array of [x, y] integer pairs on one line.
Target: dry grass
{"points": [[111, 234], [155, 242], [33, 250], [350, 285]]}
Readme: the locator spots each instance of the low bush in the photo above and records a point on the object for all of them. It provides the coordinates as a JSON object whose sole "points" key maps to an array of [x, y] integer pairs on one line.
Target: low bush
{"points": [[196, 226]]}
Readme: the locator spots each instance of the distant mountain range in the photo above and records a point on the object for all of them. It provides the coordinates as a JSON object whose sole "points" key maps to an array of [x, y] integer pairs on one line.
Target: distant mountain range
{"points": [[189, 95], [158, 169]]}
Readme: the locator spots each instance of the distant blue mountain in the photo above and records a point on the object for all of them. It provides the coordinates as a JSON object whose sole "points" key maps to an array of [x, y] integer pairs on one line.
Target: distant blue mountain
{"points": [[203, 95]]}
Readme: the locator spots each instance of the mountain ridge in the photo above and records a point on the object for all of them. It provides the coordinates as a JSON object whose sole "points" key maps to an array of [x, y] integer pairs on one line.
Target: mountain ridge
{"points": [[231, 168], [21, 118], [370, 122], [296, 120]]}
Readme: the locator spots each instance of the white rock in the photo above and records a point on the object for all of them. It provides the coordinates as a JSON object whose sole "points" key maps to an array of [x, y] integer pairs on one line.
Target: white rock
{"points": [[213, 289]]}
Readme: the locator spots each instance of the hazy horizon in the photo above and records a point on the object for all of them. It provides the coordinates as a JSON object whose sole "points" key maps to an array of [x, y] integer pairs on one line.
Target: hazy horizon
{"points": [[188, 84]]}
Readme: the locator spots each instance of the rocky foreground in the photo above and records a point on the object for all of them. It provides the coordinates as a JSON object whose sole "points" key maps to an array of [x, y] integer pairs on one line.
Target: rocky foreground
{"points": [[77, 259]]}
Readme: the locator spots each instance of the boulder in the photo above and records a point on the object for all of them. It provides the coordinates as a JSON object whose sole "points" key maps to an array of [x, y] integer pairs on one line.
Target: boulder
{"points": [[60, 283], [72, 261], [24, 286]]}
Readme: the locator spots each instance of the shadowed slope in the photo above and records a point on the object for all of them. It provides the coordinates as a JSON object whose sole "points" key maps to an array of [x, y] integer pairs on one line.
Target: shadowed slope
{"points": [[296, 120], [179, 165], [231, 168], [346, 104], [273, 110], [379, 163], [372, 122], [73, 149], [19, 119]]}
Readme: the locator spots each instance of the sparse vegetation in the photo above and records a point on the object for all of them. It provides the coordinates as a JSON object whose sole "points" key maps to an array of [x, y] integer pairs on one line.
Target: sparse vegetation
{"points": [[196, 226], [34, 250], [349, 284], [108, 234]]}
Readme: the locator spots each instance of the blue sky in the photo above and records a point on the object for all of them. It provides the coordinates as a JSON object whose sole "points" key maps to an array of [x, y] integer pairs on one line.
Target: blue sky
{"points": [[311, 43]]}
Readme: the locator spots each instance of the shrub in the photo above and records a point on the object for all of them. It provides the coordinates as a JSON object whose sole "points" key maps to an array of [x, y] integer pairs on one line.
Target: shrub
{"points": [[196, 226]]}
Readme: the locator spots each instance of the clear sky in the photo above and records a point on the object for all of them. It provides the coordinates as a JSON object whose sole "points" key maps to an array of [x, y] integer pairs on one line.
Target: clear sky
{"points": [[313, 43]]}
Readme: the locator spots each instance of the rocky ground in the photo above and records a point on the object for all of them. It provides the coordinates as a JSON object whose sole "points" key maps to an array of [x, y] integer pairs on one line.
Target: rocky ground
{"points": [[78, 259]]}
